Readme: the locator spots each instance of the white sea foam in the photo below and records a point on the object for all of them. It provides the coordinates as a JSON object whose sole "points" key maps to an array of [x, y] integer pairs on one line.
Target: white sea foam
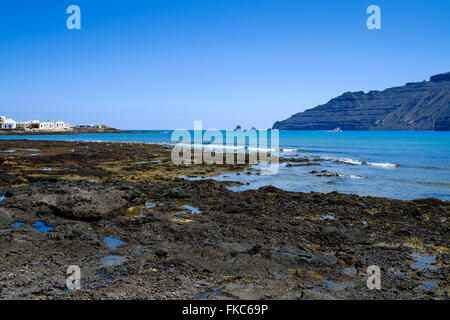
{"points": [[287, 150], [210, 146], [344, 160], [225, 147], [351, 176], [359, 162], [261, 149], [351, 161], [384, 165]]}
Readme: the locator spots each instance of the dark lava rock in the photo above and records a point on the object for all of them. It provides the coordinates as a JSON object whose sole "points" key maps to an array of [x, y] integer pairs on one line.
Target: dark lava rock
{"points": [[296, 255], [74, 200]]}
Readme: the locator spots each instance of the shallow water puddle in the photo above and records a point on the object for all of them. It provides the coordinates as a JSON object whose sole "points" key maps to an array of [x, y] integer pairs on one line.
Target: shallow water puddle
{"points": [[106, 276], [8, 151], [193, 209], [423, 261], [113, 242], [144, 251], [150, 205], [109, 261], [47, 169], [140, 162], [41, 227], [331, 285], [429, 285], [210, 293], [398, 273], [350, 270], [17, 224], [328, 218], [2, 198]]}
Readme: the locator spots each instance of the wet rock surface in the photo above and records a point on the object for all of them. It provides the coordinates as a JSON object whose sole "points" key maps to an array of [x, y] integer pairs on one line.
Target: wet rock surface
{"points": [[257, 244], [84, 201]]}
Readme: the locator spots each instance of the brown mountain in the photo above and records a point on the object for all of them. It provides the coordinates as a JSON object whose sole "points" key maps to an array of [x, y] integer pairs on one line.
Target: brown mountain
{"points": [[414, 106]]}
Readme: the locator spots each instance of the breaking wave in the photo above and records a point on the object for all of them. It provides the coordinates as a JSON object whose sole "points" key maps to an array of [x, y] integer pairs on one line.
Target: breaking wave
{"points": [[360, 162]]}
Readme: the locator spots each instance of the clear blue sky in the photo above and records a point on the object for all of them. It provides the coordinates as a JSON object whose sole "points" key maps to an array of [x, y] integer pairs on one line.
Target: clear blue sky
{"points": [[163, 64]]}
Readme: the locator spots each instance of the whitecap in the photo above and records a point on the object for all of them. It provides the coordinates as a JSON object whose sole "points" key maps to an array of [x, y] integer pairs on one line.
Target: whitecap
{"points": [[344, 160], [383, 165], [260, 149], [288, 150]]}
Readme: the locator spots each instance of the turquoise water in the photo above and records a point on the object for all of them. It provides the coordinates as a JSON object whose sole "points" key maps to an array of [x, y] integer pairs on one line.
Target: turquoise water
{"points": [[394, 164]]}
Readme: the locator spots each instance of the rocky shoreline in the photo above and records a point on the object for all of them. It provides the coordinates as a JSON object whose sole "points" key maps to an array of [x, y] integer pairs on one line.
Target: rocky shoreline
{"points": [[138, 231]]}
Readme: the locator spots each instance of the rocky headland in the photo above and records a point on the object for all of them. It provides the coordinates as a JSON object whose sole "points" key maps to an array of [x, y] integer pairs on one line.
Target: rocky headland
{"points": [[414, 106]]}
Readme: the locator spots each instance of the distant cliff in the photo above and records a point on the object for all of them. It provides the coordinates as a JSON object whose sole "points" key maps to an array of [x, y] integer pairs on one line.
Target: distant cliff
{"points": [[414, 106]]}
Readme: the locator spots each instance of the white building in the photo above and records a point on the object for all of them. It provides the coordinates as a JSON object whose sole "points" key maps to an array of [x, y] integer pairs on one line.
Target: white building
{"points": [[8, 123], [61, 125], [47, 125], [58, 125]]}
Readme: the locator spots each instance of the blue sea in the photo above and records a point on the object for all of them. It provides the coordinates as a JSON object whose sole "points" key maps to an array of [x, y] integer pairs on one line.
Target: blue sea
{"points": [[394, 164]]}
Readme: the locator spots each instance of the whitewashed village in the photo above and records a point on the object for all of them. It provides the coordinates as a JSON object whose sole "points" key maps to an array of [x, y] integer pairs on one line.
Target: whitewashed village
{"points": [[36, 125]]}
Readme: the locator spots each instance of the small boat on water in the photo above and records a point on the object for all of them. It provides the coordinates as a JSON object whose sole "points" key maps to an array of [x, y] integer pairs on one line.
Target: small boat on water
{"points": [[336, 130]]}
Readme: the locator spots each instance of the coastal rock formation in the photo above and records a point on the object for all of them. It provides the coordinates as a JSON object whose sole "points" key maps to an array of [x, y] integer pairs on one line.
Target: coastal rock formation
{"points": [[414, 106], [83, 201]]}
